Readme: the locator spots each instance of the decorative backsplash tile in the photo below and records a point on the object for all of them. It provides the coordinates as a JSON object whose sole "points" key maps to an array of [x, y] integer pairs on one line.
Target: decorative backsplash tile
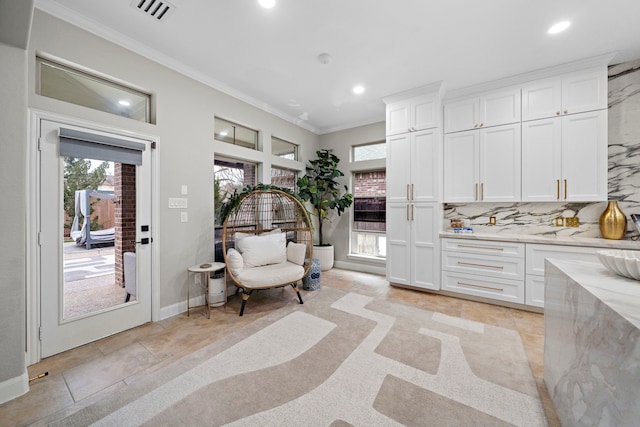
{"points": [[624, 176]]}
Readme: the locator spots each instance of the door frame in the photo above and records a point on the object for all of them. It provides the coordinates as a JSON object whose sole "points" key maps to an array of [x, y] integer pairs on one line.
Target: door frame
{"points": [[33, 349]]}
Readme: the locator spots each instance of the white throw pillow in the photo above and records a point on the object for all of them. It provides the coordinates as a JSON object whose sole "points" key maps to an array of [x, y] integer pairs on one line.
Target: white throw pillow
{"points": [[235, 263], [263, 250], [238, 236], [296, 252]]}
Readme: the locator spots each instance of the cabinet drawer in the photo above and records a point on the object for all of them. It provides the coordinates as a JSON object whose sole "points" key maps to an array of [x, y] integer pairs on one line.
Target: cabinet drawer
{"points": [[506, 249], [495, 288], [536, 255], [485, 265]]}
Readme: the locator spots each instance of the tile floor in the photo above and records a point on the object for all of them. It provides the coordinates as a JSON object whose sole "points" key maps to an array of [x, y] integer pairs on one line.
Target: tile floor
{"points": [[81, 376]]}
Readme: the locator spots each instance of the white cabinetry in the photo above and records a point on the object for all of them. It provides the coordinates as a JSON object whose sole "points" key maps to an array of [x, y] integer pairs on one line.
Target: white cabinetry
{"points": [[490, 109], [568, 94], [535, 256], [484, 269], [413, 251], [413, 167], [483, 165], [565, 158], [414, 114]]}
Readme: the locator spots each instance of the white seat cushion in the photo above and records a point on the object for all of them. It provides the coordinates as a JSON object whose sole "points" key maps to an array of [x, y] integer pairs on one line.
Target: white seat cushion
{"points": [[268, 276], [262, 250]]}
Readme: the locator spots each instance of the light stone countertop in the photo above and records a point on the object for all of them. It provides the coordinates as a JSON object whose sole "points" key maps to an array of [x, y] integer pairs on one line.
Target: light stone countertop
{"points": [[595, 242], [620, 294]]}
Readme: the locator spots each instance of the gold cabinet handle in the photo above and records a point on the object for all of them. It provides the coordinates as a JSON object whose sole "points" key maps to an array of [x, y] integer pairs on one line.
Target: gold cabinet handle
{"points": [[411, 212], [475, 126], [408, 213], [558, 189], [482, 191], [476, 191], [480, 286], [566, 111], [557, 113], [408, 192], [481, 247], [497, 267], [481, 124], [565, 189], [412, 192]]}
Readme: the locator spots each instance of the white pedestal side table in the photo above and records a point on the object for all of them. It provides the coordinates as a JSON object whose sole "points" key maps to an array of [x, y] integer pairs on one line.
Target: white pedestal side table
{"points": [[205, 271]]}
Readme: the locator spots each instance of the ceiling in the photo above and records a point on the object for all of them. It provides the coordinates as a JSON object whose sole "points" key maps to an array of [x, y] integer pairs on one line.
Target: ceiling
{"points": [[268, 57]]}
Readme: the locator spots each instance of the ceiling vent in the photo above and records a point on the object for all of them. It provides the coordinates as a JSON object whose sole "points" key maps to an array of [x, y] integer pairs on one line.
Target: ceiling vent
{"points": [[159, 10]]}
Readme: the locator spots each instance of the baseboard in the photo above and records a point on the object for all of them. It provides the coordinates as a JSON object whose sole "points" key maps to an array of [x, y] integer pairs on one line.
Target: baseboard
{"points": [[365, 268], [14, 387], [181, 307]]}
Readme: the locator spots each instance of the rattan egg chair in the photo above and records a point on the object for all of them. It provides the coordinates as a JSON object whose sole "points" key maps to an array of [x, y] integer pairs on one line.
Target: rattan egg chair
{"points": [[259, 214]]}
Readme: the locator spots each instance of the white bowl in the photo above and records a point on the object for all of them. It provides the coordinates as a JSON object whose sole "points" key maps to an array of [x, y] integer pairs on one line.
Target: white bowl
{"points": [[623, 263]]}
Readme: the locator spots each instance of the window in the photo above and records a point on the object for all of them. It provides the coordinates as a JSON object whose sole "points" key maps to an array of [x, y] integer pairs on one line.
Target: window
{"points": [[369, 213], [229, 176], [377, 150], [78, 87], [284, 178], [282, 148], [233, 133]]}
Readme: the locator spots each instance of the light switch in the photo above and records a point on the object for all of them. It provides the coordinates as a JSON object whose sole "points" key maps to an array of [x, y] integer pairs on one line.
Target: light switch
{"points": [[184, 190], [176, 203], [184, 217]]}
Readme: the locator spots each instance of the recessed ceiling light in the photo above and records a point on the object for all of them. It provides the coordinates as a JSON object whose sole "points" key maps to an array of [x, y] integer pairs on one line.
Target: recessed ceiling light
{"points": [[124, 103], [325, 58], [267, 4], [358, 89], [559, 27]]}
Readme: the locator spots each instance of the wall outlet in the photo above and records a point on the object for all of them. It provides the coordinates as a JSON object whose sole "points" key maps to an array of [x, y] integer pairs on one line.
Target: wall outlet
{"points": [[559, 221], [572, 221], [184, 217], [492, 220]]}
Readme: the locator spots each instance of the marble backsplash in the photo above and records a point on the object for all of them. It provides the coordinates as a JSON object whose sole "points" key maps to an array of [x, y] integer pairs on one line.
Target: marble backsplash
{"points": [[624, 176]]}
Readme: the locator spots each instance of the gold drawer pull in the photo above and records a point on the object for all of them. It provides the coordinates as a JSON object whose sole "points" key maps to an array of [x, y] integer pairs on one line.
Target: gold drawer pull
{"points": [[481, 247], [480, 286], [497, 267]]}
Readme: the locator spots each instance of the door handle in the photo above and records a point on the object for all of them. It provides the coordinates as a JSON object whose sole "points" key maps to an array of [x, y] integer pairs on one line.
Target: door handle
{"points": [[143, 241]]}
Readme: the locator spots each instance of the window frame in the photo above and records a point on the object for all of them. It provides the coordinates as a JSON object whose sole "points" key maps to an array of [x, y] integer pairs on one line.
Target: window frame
{"points": [[296, 148], [380, 251], [354, 148], [232, 140]]}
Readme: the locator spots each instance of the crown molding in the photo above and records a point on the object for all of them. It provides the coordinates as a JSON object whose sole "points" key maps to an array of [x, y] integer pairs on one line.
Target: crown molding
{"points": [[68, 15]]}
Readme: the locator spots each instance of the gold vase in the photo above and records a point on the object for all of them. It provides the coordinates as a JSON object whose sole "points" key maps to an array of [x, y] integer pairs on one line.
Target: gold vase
{"points": [[613, 222]]}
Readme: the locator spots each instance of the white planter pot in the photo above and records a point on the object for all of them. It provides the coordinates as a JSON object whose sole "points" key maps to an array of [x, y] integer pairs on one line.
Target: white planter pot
{"points": [[325, 255]]}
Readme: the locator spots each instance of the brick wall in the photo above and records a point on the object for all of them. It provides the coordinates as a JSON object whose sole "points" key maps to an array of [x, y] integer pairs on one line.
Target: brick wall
{"points": [[370, 184], [125, 215]]}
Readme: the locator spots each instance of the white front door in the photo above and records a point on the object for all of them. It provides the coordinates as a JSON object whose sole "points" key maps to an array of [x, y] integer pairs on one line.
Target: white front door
{"points": [[79, 299]]}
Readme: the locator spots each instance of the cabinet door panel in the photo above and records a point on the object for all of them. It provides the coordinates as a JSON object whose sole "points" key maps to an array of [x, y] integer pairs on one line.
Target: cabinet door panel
{"points": [[461, 167], [425, 112], [500, 169], [398, 243], [425, 261], [397, 118], [500, 108], [584, 92], [461, 115], [541, 160], [425, 166], [542, 99], [584, 156], [398, 168], [534, 291]]}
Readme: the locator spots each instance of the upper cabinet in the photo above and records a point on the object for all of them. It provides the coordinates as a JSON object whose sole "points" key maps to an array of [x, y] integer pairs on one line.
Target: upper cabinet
{"points": [[489, 109], [568, 94], [414, 114]]}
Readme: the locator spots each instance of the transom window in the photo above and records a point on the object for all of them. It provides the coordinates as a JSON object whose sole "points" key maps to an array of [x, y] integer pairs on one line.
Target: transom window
{"points": [[377, 150], [285, 149], [233, 133], [68, 84]]}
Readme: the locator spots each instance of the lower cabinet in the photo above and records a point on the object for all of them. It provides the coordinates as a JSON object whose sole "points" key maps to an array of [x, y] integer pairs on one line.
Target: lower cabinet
{"points": [[505, 271], [484, 269], [535, 256]]}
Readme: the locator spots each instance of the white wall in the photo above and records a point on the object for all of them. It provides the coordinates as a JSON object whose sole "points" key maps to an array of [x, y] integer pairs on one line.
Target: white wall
{"points": [[337, 232], [184, 115], [13, 130]]}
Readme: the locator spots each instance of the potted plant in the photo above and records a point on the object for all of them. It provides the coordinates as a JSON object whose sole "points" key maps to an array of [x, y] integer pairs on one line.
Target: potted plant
{"points": [[320, 187]]}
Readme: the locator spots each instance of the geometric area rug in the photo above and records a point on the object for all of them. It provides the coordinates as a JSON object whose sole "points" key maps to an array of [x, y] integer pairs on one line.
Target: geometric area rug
{"points": [[340, 359]]}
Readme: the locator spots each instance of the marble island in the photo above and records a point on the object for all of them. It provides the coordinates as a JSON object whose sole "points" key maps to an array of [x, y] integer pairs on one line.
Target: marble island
{"points": [[592, 344]]}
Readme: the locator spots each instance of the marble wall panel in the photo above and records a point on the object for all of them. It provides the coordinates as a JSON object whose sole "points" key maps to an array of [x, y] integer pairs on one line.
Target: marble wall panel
{"points": [[624, 176]]}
